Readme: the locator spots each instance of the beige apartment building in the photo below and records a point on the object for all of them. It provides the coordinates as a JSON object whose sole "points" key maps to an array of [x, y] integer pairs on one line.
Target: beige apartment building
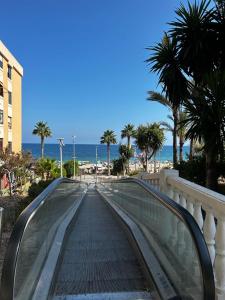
{"points": [[11, 73]]}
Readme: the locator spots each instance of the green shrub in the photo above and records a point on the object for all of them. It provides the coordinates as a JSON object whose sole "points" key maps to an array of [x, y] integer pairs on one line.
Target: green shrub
{"points": [[117, 166], [48, 168], [193, 170], [69, 166], [36, 188], [133, 173]]}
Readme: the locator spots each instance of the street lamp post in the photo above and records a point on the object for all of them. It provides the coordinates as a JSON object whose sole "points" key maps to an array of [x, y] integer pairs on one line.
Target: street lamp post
{"points": [[135, 157], [61, 144], [160, 159], [123, 158], [74, 157], [96, 156]]}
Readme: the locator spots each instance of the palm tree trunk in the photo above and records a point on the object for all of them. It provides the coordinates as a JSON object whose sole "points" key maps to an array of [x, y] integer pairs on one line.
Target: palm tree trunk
{"points": [[222, 152], [128, 145], [191, 149], [211, 173], [108, 158], [175, 118], [181, 148], [124, 168], [42, 147], [128, 142], [154, 163]]}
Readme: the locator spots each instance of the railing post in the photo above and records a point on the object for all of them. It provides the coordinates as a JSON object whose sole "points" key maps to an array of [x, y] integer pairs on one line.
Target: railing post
{"points": [[209, 230], [220, 259], [183, 201], [164, 173], [198, 214], [176, 196], [190, 205]]}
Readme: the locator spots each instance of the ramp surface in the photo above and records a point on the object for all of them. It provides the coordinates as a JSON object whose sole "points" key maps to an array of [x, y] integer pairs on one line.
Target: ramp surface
{"points": [[97, 255]]}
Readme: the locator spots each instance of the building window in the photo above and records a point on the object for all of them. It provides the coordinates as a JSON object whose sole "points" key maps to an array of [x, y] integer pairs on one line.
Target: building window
{"points": [[10, 122], [10, 147], [1, 116], [10, 97], [1, 63], [1, 89], [1, 144], [9, 72]]}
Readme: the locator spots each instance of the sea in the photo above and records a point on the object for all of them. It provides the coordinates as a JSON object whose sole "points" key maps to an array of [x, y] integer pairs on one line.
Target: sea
{"points": [[87, 152]]}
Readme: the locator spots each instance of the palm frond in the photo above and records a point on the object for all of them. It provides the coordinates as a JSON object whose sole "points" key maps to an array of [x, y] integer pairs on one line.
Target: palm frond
{"points": [[158, 97]]}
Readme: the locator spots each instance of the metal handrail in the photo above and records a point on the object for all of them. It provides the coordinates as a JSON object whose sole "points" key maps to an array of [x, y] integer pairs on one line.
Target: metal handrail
{"points": [[9, 266], [198, 238]]}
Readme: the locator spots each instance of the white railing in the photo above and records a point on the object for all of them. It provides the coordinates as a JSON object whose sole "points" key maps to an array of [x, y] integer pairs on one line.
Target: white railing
{"points": [[208, 209], [102, 178], [151, 178]]}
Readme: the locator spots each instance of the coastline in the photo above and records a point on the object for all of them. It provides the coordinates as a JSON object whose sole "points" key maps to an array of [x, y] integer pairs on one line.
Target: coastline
{"points": [[86, 153]]}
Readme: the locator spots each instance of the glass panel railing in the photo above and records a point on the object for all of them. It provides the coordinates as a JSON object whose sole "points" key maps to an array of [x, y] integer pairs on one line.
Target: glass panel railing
{"points": [[34, 233], [172, 235]]}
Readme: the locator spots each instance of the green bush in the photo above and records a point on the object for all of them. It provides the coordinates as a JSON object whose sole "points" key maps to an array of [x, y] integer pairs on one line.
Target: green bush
{"points": [[36, 188], [69, 166], [133, 173], [48, 168], [117, 166], [193, 170]]}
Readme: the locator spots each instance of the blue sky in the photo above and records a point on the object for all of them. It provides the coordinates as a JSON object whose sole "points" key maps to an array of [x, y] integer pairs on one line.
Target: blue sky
{"points": [[83, 60]]}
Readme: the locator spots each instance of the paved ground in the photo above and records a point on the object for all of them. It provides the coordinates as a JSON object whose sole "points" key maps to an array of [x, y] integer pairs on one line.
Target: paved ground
{"points": [[97, 256]]}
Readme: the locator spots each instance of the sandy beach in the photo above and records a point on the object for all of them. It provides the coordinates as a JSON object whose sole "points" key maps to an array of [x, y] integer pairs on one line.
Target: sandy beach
{"points": [[89, 168]]}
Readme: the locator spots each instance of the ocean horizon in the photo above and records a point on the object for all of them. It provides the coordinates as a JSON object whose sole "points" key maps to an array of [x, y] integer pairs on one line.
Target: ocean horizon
{"points": [[87, 152]]}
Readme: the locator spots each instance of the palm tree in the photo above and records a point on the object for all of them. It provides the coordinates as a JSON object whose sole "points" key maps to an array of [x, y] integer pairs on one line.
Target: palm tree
{"points": [[149, 139], [42, 129], [108, 138], [126, 153], [160, 98], [181, 132], [196, 40], [167, 126], [128, 132], [195, 51], [199, 33], [206, 121], [164, 61]]}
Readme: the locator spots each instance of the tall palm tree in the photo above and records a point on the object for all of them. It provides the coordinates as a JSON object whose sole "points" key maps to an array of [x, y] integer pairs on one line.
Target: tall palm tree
{"points": [[164, 61], [160, 98], [108, 138], [181, 132], [206, 121], [128, 132], [196, 40], [43, 130], [126, 153], [199, 33]]}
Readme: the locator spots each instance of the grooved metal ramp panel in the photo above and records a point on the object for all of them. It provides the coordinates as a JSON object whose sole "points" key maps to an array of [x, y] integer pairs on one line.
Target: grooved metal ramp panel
{"points": [[97, 256], [108, 296]]}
